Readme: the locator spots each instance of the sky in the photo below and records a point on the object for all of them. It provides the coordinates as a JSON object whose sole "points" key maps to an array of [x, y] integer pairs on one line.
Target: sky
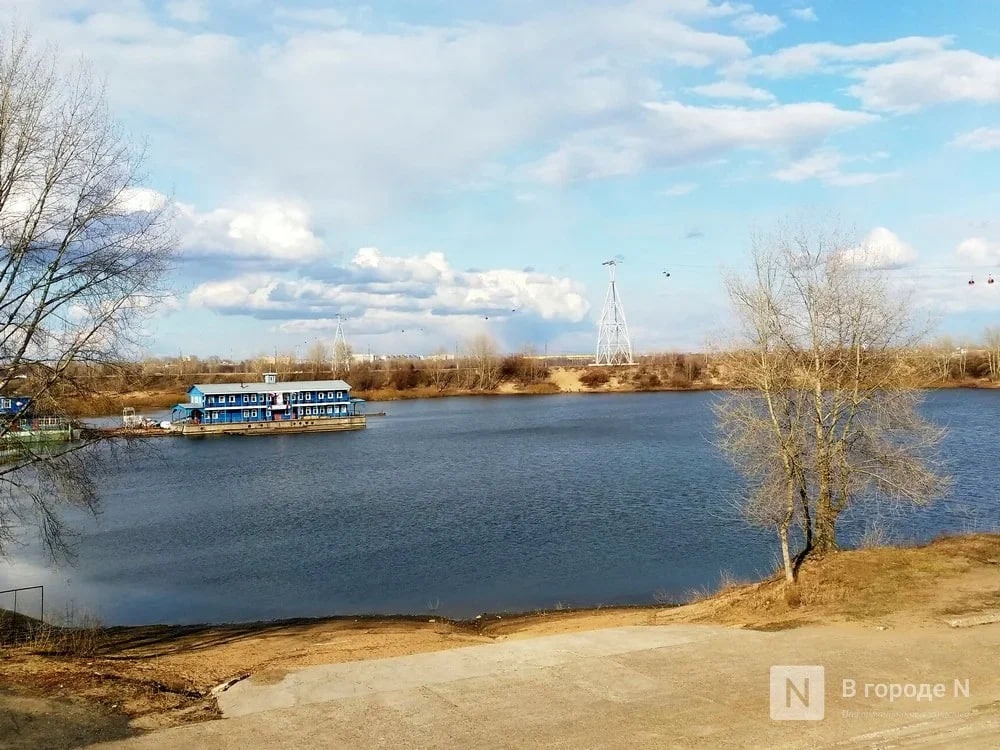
{"points": [[435, 170]]}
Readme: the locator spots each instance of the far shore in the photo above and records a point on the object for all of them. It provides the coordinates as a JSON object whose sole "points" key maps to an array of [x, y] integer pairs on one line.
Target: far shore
{"points": [[561, 381]]}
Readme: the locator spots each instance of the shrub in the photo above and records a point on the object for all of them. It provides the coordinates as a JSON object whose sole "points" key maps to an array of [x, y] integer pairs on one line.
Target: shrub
{"points": [[595, 376]]}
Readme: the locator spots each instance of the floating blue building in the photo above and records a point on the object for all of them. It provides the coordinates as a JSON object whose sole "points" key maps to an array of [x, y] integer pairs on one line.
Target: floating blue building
{"points": [[14, 406], [268, 407]]}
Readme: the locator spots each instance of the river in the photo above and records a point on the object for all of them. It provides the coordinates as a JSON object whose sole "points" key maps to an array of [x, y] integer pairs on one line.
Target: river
{"points": [[453, 507]]}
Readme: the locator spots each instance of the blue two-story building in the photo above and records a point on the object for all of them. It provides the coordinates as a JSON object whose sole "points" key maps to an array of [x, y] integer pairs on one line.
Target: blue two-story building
{"points": [[270, 406], [12, 407]]}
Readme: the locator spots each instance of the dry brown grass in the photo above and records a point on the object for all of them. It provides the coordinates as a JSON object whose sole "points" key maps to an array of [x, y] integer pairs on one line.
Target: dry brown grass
{"points": [[912, 583]]}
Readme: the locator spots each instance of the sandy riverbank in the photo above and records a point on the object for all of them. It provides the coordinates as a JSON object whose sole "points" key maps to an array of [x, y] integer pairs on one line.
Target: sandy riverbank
{"points": [[134, 679], [561, 380]]}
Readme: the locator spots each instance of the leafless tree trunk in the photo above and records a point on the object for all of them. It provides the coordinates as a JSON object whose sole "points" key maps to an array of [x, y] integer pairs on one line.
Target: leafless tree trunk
{"points": [[824, 419], [439, 369], [484, 362], [82, 253], [992, 342], [318, 357], [342, 356]]}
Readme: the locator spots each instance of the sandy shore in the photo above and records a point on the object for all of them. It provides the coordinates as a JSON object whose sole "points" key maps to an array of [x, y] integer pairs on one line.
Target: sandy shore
{"points": [[126, 680]]}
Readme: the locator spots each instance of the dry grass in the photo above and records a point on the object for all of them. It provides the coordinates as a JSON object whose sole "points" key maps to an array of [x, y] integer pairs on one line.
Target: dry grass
{"points": [[911, 583]]}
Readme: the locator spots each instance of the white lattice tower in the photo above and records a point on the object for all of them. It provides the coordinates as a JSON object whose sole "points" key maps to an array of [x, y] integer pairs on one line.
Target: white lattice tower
{"points": [[341, 351], [614, 347]]}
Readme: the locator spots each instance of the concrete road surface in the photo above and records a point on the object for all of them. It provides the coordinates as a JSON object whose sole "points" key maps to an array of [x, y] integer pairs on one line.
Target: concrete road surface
{"points": [[658, 686]]}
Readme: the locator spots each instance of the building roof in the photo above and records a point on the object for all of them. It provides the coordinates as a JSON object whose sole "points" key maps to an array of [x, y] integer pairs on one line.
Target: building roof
{"points": [[288, 386]]}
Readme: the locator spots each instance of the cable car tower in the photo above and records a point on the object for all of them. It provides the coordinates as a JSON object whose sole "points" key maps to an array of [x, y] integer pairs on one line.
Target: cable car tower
{"points": [[614, 347], [341, 351]]}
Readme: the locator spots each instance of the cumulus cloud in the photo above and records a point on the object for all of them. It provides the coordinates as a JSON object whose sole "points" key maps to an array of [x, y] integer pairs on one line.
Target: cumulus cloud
{"points": [[827, 57], [135, 199], [979, 251], [803, 14], [980, 139], [187, 11], [826, 165], [374, 286], [263, 230], [313, 108], [674, 133], [734, 90], [946, 76], [707, 9], [757, 24], [881, 249]]}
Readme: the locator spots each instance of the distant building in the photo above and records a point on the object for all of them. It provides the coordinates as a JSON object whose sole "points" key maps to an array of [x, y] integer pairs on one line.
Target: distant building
{"points": [[14, 406], [270, 402]]}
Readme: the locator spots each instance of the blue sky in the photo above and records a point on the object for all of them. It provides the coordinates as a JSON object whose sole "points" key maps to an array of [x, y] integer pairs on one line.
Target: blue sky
{"points": [[420, 167]]}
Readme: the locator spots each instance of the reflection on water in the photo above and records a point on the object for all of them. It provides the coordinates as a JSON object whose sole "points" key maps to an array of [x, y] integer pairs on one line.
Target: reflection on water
{"points": [[455, 505]]}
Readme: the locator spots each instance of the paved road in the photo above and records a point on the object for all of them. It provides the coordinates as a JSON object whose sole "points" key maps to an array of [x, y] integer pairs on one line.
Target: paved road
{"points": [[663, 686]]}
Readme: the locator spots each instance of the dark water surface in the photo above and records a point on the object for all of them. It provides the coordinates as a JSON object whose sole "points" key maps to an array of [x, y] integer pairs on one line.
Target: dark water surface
{"points": [[457, 506]]}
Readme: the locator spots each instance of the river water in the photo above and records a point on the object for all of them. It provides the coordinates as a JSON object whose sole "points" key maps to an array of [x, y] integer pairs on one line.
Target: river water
{"points": [[453, 506]]}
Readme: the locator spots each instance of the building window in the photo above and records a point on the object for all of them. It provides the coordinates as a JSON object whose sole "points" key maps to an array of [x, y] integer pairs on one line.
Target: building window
{"points": [[255, 414], [253, 398], [340, 394], [246, 414], [232, 399], [309, 397]]}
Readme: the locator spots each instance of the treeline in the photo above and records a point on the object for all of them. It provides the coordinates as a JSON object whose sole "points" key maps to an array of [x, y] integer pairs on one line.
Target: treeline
{"points": [[479, 367]]}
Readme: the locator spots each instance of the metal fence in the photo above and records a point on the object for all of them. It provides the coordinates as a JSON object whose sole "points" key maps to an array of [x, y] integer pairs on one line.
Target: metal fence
{"points": [[14, 623]]}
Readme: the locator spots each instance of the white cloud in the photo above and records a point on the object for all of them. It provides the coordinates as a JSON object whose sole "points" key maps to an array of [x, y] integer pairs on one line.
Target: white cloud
{"points": [[263, 230], [141, 199], [187, 11], [980, 139], [707, 9], [803, 14], [682, 188], [947, 76], [318, 110], [826, 57], [412, 290], [979, 251], [881, 249], [758, 24], [733, 90], [675, 133], [826, 165]]}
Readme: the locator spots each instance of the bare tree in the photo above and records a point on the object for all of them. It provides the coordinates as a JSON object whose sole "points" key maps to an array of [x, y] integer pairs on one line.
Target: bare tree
{"points": [[439, 369], [992, 343], [318, 356], [483, 362], [82, 253], [342, 356], [824, 420]]}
